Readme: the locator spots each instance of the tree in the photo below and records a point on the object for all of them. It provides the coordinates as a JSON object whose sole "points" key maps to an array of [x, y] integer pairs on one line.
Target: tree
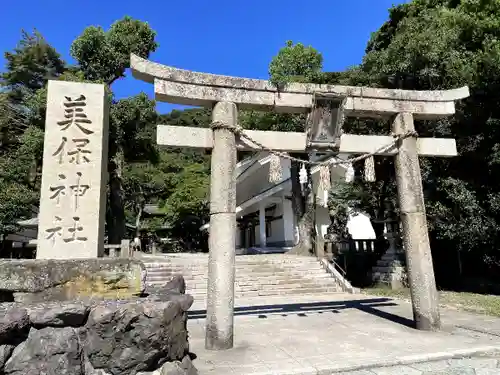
{"points": [[132, 137], [28, 67], [293, 63], [103, 56], [444, 44], [19, 182], [145, 183], [186, 207]]}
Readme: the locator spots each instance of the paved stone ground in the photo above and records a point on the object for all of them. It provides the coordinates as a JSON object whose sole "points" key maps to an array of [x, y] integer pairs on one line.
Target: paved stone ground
{"points": [[347, 334]]}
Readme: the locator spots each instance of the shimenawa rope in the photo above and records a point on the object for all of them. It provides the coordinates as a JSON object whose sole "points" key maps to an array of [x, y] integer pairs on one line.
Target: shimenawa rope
{"points": [[275, 172]]}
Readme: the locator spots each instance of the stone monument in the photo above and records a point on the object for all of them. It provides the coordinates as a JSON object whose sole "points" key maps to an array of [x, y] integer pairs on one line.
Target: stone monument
{"points": [[226, 94], [73, 191], [390, 270]]}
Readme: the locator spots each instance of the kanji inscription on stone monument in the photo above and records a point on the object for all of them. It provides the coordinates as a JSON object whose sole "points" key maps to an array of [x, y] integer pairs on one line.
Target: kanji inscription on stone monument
{"points": [[72, 199]]}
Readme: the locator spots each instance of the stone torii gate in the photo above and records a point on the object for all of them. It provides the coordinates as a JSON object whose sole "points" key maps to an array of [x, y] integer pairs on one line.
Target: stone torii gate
{"points": [[225, 95]]}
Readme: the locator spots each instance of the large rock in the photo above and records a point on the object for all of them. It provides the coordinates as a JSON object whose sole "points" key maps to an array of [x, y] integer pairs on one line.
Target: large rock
{"points": [[177, 285], [59, 314], [171, 368], [49, 351], [5, 352], [188, 366], [185, 300], [14, 326], [59, 280], [184, 367], [97, 337], [126, 338]]}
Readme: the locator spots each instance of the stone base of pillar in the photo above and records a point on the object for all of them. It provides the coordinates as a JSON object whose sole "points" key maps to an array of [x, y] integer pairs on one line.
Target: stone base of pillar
{"points": [[390, 270]]}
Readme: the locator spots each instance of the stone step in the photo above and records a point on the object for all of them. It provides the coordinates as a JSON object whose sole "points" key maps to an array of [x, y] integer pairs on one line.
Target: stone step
{"points": [[241, 277], [316, 267], [273, 283], [264, 278], [254, 259], [237, 271], [249, 288], [237, 264], [259, 284], [386, 263], [278, 292], [392, 275], [273, 275], [245, 267], [281, 290], [385, 269], [242, 273], [282, 281]]}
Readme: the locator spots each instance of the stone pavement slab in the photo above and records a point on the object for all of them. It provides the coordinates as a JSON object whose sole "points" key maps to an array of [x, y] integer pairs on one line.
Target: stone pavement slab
{"points": [[326, 334]]}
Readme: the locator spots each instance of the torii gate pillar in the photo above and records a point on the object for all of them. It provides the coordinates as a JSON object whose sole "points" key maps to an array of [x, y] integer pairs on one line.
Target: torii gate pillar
{"points": [[424, 296], [221, 242]]}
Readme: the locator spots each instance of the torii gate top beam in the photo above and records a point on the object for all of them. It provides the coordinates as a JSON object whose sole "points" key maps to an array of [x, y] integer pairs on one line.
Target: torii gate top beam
{"points": [[179, 86]]}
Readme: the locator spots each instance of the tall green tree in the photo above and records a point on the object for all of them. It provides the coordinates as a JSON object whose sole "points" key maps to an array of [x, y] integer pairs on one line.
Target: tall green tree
{"points": [[28, 66], [186, 206], [293, 63], [147, 183], [444, 44], [103, 56]]}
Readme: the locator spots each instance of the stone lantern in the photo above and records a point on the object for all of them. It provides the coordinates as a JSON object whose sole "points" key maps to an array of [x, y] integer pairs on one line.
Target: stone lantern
{"points": [[390, 269]]}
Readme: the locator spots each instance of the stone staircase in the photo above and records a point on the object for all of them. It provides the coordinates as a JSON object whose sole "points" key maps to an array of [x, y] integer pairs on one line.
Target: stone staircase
{"points": [[256, 275], [390, 270]]}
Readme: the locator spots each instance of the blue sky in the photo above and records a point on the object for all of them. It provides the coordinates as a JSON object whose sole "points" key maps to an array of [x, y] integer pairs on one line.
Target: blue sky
{"points": [[220, 36]]}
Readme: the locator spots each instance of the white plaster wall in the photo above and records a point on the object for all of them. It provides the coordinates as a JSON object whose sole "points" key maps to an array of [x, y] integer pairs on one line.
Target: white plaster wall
{"points": [[277, 231], [360, 227], [258, 182]]}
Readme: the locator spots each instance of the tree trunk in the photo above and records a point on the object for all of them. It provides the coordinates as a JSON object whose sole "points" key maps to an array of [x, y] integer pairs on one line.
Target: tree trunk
{"points": [[140, 208], [116, 226], [303, 208], [376, 220]]}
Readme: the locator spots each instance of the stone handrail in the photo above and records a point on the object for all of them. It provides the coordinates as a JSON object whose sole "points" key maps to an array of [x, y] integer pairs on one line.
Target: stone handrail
{"points": [[343, 282]]}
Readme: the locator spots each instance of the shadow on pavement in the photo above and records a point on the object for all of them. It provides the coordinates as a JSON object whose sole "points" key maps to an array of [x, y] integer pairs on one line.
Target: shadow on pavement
{"points": [[301, 309]]}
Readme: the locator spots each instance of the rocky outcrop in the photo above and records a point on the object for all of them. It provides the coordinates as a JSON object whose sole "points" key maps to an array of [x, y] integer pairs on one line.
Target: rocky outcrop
{"points": [[31, 281], [48, 350], [145, 336]]}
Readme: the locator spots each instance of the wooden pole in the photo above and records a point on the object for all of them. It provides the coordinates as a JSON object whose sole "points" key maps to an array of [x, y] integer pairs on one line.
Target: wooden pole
{"points": [[221, 260], [415, 233]]}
